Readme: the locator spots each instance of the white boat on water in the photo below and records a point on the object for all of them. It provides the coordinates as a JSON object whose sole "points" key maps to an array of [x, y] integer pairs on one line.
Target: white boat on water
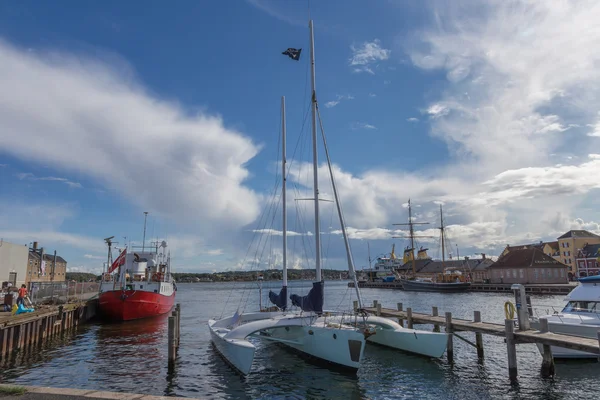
{"points": [[332, 337], [579, 317]]}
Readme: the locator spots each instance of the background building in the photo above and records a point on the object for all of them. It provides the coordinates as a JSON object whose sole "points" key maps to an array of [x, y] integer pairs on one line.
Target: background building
{"points": [[45, 267], [527, 265], [13, 263], [587, 260], [571, 243]]}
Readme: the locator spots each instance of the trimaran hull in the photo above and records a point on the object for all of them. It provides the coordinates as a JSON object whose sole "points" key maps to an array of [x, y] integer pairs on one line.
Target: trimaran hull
{"points": [[339, 341], [342, 347]]}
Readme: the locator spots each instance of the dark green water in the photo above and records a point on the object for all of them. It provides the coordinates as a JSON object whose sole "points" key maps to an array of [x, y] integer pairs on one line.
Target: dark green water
{"points": [[132, 357]]}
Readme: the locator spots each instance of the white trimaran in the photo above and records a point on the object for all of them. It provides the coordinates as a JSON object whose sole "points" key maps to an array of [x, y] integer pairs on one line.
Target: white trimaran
{"points": [[338, 339]]}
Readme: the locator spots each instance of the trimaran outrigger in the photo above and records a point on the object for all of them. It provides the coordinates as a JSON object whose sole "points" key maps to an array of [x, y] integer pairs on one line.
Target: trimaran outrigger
{"points": [[336, 338]]}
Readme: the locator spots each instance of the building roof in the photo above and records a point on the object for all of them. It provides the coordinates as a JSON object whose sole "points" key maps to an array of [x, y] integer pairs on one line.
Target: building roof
{"points": [[579, 234], [47, 257], [526, 257], [430, 266], [591, 250]]}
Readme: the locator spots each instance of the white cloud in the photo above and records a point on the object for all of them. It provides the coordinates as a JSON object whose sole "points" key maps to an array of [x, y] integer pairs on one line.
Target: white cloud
{"points": [[372, 95], [271, 7], [32, 177], [339, 98], [413, 119], [366, 55], [54, 98], [93, 257], [437, 110], [362, 125], [275, 232]]}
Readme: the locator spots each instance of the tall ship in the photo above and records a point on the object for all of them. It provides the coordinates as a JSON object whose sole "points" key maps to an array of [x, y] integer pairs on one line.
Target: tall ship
{"points": [[138, 283], [449, 279]]}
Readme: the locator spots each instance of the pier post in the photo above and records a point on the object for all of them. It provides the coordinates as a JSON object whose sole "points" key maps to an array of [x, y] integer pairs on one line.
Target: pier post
{"points": [[409, 320], [355, 306], [4, 342], [450, 347], [521, 306], [529, 307], [378, 309], [478, 335], [547, 358], [178, 324], [171, 339], [400, 321], [176, 334], [511, 349], [599, 344], [374, 303], [434, 313]]}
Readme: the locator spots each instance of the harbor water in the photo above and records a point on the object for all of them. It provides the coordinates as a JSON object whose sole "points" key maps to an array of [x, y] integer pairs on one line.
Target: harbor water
{"points": [[132, 357]]}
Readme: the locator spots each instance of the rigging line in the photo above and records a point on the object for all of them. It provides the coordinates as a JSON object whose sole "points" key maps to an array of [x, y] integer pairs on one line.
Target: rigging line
{"points": [[270, 204], [248, 250], [350, 255]]}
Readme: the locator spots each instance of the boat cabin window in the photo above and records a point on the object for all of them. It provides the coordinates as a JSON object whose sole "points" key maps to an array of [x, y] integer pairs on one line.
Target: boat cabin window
{"points": [[581, 306]]}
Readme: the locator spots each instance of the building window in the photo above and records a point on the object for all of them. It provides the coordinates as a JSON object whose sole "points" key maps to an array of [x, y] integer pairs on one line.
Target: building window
{"points": [[521, 275], [535, 274], [514, 273], [562, 273], [567, 244]]}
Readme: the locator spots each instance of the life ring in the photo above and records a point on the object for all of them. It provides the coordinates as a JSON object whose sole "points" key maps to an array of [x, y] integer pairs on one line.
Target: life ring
{"points": [[509, 310], [106, 277], [155, 277]]}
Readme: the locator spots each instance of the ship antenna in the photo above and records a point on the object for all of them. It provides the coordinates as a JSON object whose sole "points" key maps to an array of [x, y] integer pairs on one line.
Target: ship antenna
{"points": [[144, 239]]}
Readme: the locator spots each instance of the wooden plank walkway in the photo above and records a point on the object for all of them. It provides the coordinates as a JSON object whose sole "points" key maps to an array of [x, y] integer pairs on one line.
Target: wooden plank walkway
{"points": [[529, 336], [483, 287]]}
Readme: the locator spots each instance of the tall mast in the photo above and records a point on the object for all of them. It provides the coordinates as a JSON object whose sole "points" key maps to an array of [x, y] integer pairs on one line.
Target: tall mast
{"points": [[315, 157], [144, 239], [412, 235], [283, 194], [442, 230]]}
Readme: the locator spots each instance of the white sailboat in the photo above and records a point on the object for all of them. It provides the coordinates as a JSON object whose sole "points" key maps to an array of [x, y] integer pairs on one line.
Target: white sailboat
{"points": [[336, 339]]}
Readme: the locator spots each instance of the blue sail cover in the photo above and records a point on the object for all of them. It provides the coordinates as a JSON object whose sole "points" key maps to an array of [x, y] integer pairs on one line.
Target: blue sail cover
{"points": [[280, 300], [313, 301]]}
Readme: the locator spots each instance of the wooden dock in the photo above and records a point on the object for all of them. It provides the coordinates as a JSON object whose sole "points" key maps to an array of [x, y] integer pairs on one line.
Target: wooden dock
{"points": [[508, 330], [20, 332], [482, 287]]}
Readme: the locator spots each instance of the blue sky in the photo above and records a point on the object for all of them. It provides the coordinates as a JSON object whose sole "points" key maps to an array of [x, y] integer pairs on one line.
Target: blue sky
{"points": [[110, 110]]}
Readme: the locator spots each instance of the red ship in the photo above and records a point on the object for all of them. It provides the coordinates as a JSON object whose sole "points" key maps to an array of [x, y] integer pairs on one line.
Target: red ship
{"points": [[138, 284]]}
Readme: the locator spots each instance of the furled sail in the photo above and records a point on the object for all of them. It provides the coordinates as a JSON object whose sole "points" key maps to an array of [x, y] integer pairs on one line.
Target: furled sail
{"points": [[280, 300], [313, 301]]}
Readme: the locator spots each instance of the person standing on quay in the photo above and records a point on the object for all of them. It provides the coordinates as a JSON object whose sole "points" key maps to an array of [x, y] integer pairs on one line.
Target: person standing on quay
{"points": [[22, 294]]}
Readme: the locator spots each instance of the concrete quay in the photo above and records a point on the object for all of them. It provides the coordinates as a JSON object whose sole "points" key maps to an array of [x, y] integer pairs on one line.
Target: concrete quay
{"points": [[50, 393]]}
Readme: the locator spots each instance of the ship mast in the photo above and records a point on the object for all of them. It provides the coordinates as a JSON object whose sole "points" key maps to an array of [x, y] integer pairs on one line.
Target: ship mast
{"points": [[443, 241], [412, 236]]}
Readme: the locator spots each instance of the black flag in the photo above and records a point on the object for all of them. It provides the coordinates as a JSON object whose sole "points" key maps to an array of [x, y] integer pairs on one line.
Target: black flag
{"points": [[294, 54]]}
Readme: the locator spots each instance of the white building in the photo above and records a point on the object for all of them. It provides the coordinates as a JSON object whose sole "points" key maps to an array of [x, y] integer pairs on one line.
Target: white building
{"points": [[13, 263]]}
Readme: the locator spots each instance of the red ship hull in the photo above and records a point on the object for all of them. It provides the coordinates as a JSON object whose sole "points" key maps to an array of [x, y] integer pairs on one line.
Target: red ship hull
{"points": [[118, 305]]}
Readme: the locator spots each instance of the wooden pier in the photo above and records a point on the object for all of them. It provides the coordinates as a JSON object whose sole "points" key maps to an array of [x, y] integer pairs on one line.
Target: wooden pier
{"points": [[512, 335], [482, 287], [20, 332]]}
